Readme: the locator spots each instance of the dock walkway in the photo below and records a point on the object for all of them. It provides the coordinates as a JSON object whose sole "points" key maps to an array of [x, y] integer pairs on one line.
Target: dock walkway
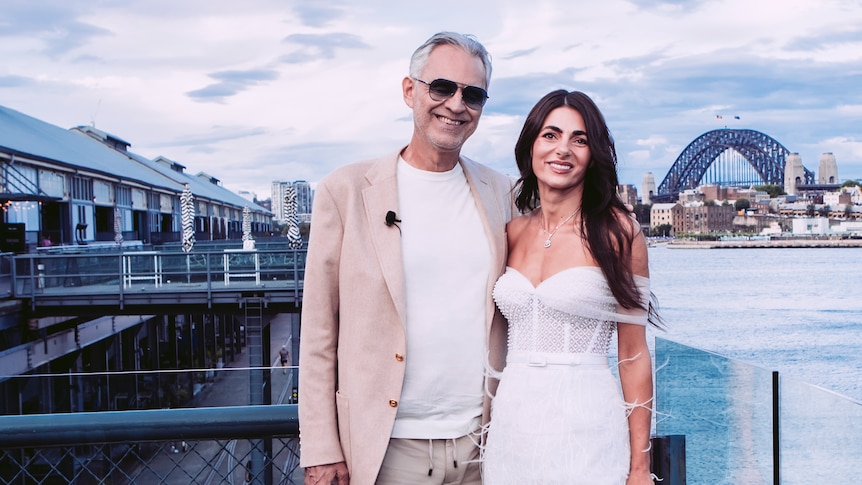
{"points": [[765, 243]]}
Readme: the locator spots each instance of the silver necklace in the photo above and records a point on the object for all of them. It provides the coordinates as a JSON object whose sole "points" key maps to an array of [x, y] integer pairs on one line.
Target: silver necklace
{"points": [[549, 235]]}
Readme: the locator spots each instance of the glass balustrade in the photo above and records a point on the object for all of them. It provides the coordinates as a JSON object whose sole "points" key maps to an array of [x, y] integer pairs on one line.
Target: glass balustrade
{"points": [[747, 425]]}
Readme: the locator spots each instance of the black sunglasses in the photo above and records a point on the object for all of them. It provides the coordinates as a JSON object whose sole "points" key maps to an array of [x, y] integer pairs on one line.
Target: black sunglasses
{"points": [[442, 89]]}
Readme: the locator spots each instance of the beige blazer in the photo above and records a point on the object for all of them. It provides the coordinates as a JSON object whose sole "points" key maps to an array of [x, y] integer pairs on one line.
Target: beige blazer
{"points": [[352, 337]]}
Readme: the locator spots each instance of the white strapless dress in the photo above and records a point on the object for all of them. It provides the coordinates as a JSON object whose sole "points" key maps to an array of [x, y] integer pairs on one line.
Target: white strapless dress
{"points": [[558, 416]]}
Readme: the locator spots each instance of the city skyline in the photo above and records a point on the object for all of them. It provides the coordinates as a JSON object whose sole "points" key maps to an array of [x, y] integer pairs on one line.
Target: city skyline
{"points": [[269, 90]]}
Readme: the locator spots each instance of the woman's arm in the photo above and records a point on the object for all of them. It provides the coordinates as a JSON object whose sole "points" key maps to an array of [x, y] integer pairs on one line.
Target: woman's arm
{"points": [[635, 370]]}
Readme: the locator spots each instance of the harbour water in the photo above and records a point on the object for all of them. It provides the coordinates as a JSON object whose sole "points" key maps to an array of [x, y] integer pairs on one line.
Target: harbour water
{"points": [[797, 311], [794, 311]]}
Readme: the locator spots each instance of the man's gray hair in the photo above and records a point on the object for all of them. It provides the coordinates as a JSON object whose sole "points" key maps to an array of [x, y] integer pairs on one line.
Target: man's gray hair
{"points": [[463, 41]]}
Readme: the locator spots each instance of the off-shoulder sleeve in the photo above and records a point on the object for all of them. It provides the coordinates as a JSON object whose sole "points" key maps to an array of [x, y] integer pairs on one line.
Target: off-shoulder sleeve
{"points": [[587, 295]]}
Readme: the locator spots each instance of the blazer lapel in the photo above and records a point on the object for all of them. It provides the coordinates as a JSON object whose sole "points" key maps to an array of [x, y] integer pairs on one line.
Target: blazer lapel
{"points": [[380, 197]]}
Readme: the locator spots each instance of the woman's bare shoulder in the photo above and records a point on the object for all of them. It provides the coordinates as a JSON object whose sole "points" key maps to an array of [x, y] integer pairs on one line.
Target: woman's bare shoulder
{"points": [[515, 230], [628, 221], [518, 224]]}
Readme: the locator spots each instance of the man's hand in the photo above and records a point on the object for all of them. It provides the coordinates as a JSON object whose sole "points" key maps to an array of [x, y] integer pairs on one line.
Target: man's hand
{"points": [[334, 473]]}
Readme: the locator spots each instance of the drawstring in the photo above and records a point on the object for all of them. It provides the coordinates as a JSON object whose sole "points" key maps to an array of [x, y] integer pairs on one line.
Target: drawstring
{"points": [[455, 452], [430, 457]]}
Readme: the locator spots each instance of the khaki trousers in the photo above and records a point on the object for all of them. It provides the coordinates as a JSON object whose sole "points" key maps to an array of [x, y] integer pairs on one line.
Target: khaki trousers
{"points": [[431, 462]]}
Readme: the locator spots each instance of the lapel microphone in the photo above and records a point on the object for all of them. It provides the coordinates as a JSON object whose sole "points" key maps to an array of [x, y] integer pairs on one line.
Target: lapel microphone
{"points": [[391, 219]]}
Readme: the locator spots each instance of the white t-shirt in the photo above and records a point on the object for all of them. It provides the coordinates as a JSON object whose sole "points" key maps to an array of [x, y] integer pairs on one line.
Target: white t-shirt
{"points": [[447, 260]]}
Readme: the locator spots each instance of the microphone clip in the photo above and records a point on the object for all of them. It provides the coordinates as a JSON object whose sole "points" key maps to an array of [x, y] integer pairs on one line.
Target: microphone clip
{"points": [[392, 220]]}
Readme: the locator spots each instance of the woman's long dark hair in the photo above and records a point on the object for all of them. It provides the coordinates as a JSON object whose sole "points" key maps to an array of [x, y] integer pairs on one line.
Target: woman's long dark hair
{"points": [[609, 241]]}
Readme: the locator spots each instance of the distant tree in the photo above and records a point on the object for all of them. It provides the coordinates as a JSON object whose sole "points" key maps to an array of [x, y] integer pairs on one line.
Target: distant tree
{"points": [[304, 228], [642, 212], [742, 204], [848, 211], [710, 203], [662, 230], [809, 210], [771, 189], [851, 183], [724, 203], [824, 211]]}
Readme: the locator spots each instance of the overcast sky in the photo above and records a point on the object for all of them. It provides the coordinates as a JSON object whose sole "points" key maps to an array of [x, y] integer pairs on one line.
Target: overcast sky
{"points": [[263, 90]]}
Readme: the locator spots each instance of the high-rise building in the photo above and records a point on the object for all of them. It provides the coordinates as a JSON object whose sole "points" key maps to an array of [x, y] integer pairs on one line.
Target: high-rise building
{"points": [[628, 194], [304, 199]]}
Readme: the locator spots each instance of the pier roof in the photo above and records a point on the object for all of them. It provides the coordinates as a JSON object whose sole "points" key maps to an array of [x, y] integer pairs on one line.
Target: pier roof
{"points": [[29, 137], [200, 187]]}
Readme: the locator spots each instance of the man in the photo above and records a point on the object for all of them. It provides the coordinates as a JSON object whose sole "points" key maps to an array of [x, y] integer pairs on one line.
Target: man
{"points": [[284, 356], [397, 316]]}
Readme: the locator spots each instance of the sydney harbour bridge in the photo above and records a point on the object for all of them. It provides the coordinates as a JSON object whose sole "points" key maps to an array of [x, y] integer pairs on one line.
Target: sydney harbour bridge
{"points": [[727, 157]]}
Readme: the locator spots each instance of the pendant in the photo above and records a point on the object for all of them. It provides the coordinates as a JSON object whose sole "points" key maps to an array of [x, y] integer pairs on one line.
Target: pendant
{"points": [[548, 242]]}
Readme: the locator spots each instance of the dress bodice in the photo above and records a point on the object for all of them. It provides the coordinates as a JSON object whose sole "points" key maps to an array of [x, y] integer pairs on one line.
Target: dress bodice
{"points": [[558, 415], [573, 311]]}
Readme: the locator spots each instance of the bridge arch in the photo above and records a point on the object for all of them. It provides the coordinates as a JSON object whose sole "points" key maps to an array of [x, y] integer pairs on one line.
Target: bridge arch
{"points": [[765, 155]]}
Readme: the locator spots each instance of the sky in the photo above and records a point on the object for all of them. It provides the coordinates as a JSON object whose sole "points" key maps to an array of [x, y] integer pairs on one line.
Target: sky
{"points": [[261, 90]]}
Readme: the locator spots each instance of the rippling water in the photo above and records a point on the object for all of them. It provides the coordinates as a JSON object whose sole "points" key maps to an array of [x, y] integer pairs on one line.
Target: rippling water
{"points": [[797, 311]]}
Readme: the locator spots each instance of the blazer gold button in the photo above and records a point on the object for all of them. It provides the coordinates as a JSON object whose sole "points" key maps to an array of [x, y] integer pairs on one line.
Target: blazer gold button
{"points": [[399, 357], [393, 403]]}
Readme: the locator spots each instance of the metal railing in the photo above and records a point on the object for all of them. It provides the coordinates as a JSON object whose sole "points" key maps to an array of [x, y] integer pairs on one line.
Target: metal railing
{"points": [[112, 277], [241, 444], [6, 274]]}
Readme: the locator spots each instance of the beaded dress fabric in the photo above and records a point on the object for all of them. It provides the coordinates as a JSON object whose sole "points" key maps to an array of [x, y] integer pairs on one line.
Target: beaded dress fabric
{"points": [[558, 416]]}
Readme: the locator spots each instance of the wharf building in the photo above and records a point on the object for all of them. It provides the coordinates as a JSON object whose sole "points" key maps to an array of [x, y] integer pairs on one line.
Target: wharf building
{"points": [[80, 192], [66, 185], [696, 211]]}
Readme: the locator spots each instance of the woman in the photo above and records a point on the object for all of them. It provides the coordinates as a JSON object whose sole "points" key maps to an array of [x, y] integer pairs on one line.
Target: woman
{"points": [[577, 271]]}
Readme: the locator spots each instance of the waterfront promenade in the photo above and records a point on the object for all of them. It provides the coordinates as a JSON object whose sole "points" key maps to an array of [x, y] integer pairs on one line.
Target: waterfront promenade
{"points": [[766, 243], [230, 387]]}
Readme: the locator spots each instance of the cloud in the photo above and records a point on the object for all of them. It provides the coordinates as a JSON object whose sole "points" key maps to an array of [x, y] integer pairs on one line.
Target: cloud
{"points": [[216, 135], [825, 40], [516, 95], [320, 46], [668, 5], [53, 23], [317, 14], [262, 81], [652, 141], [309, 161], [232, 83], [520, 53], [676, 98], [13, 81]]}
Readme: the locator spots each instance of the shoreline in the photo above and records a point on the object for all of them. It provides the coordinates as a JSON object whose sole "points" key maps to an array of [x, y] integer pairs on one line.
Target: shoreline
{"points": [[777, 243]]}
